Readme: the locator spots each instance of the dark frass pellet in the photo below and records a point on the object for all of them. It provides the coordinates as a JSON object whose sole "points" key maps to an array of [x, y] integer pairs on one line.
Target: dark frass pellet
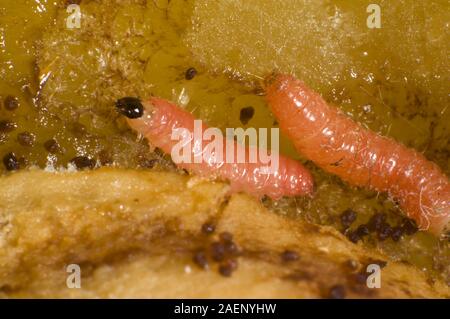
{"points": [[11, 103], [376, 221], [190, 73], [218, 251], [200, 259], [26, 139], [226, 268], [83, 162], [131, 107], [337, 292], [289, 255], [397, 233], [409, 226], [384, 231], [52, 146], [7, 126], [231, 248], [148, 163], [11, 162], [208, 228], [246, 114], [348, 217], [362, 230], [353, 236]]}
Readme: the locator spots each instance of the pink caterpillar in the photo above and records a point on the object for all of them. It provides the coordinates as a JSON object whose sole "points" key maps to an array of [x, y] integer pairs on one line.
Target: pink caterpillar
{"points": [[157, 119], [359, 156]]}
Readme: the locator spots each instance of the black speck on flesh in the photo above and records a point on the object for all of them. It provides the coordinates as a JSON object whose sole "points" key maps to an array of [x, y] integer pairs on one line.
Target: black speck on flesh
{"points": [[83, 162], [409, 226], [190, 73], [208, 228], [11, 162], [11, 103], [200, 259], [347, 218], [26, 139], [377, 221], [52, 146], [7, 126]]}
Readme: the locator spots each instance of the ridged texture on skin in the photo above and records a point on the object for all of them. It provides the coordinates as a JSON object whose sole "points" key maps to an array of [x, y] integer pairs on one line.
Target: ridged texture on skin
{"points": [[162, 117], [359, 156]]}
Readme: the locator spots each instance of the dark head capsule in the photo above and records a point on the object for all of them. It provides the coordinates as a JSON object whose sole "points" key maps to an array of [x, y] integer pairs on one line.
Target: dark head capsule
{"points": [[131, 107]]}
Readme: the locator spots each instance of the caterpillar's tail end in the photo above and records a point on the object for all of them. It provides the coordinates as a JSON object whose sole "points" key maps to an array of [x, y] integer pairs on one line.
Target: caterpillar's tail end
{"points": [[440, 227]]}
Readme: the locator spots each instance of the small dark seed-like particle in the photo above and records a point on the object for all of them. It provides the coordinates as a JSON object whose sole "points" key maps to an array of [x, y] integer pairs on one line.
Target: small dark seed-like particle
{"points": [[200, 259], [52, 146], [353, 236], [131, 107], [11, 162], [231, 248], [7, 126], [26, 138], [384, 231], [289, 255], [397, 233], [82, 162], [376, 221], [11, 103], [337, 292], [226, 269], [246, 114], [208, 228], [409, 226], [362, 230], [190, 73], [217, 251], [148, 162], [348, 217]]}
